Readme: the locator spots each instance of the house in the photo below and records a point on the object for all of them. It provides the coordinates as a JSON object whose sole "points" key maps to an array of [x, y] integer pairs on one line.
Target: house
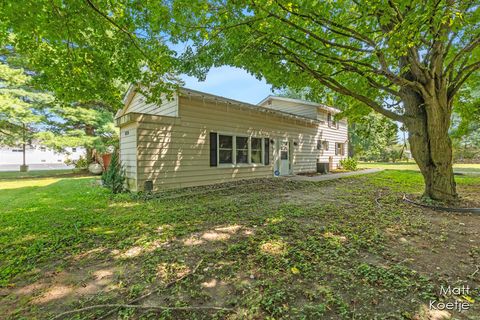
{"points": [[38, 154], [199, 139]]}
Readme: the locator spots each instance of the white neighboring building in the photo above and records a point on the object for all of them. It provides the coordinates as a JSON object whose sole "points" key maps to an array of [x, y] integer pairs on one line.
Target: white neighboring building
{"points": [[38, 154]]}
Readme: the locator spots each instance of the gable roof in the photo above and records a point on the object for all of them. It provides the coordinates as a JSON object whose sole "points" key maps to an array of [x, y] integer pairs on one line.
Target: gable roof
{"points": [[301, 102]]}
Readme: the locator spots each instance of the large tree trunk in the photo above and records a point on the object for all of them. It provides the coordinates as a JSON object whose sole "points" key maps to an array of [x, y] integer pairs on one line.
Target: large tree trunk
{"points": [[428, 121]]}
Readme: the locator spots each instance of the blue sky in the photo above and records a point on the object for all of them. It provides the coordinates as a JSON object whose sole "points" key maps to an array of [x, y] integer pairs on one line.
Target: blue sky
{"points": [[231, 83]]}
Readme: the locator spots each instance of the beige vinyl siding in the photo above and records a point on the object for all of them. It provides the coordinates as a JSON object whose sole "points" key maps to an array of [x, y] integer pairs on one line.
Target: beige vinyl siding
{"points": [[322, 115], [128, 153], [291, 107], [333, 135], [167, 108], [175, 152]]}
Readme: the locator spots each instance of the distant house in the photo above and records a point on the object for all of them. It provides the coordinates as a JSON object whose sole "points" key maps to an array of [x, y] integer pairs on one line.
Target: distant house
{"points": [[198, 139], [38, 154]]}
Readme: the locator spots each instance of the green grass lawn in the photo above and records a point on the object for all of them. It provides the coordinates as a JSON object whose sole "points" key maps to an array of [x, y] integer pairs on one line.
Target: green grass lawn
{"points": [[266, 249], [458, 167], [38, 173]]}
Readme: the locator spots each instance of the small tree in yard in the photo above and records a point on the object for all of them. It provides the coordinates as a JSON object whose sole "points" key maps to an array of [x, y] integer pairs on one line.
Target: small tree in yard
{"points": [[87, 124], [114, 177], [21, 109]]}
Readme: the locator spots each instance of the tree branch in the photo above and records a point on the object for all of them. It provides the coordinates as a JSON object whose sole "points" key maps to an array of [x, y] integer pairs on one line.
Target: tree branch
{"points": [[348, 65], [326, 22], [126, 32], [468, 48], [462, 76], [310, 33], [336, 86]]}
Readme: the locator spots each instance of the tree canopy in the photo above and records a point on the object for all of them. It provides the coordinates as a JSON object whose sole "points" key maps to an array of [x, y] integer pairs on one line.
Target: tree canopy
{"points": [[88, 51], [21, 107], [29, 115], [73, 125], [372, 137], [365, 50]]}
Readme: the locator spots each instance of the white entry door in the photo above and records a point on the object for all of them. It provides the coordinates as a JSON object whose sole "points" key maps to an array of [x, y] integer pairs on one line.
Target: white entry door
{"points": [[284, 158]]}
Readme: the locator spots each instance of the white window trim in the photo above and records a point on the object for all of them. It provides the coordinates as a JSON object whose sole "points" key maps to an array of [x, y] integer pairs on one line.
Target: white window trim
{"points": [[218, 150], [249, 150], [340, 151], [332, 124], [234, 163], [262, 148]]}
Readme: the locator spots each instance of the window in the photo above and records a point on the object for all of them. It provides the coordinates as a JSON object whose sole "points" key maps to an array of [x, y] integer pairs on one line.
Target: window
{"points": [[127, 133], [322, 145], [17, 150], [237, 150], [74, 149], [43, 149], [225, 149], [241, 149], [339, 149], [256, 153], [284, 150], [331, 121]]}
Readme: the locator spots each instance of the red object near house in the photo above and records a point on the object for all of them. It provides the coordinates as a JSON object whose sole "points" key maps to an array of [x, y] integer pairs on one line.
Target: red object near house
{"points": [[106, 157]]}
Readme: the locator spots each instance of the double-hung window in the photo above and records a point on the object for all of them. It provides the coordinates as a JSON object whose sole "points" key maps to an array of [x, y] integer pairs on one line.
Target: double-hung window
{"points": [[241, 150], [225, 149], [332, 123], [339, 149], [256, 153]]}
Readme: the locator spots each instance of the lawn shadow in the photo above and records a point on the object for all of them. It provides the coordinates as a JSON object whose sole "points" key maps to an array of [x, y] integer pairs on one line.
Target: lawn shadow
{"points": [[272, 249]]}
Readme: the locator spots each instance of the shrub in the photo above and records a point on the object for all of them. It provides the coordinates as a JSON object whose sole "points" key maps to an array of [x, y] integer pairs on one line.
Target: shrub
{"points": [[114, 177], [80, 163], [349, 164]]}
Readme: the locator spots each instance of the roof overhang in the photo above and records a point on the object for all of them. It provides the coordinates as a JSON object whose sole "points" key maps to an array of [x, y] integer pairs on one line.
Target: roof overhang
{"points": [[301, 102], [257, 108], [193, 93]]}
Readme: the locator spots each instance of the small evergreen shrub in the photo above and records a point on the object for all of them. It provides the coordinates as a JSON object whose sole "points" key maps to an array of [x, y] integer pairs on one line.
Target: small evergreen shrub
{"points": [[80, 163], [349, 164], [114, 177]]}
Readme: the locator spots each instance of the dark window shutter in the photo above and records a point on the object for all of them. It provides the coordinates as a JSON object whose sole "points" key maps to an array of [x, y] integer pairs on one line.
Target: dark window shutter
{"points": [[266, 142], [213, 149]]}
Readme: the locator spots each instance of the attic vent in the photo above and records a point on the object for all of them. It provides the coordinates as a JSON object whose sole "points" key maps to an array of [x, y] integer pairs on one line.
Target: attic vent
{"points": [[269, 102]]}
